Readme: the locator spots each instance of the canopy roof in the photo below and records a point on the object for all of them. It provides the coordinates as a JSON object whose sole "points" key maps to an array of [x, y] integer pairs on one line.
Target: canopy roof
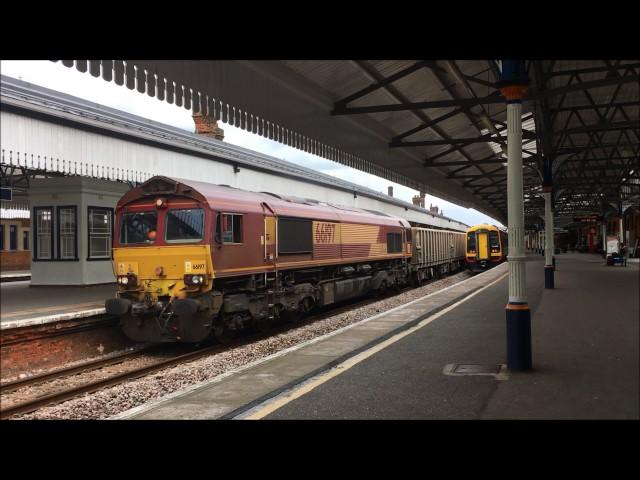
{"points": [[435, 126]]}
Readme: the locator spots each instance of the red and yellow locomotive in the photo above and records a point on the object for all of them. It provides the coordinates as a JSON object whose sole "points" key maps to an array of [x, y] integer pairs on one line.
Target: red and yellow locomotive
{"points": [[194, 259]]}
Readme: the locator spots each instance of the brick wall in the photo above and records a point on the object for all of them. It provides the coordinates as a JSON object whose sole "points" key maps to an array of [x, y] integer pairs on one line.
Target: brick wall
{"points": [[207, 126], [15, 260], [42, 347]]}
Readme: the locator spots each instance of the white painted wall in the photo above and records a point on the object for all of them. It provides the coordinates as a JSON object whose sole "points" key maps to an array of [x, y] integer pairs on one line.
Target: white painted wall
{"points": [[70, 149]]}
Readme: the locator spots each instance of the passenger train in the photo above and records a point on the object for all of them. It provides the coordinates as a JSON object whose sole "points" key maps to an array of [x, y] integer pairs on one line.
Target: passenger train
{"points": [[486, 247], [195, 260]]}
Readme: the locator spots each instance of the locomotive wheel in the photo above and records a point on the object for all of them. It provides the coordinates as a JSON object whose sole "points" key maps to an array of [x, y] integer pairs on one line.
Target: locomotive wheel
{"points": [[306, 305], [221, 332], [289, 316], [264, 324]]}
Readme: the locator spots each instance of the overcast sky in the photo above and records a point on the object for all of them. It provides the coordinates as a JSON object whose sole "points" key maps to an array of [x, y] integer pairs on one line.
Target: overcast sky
{"points": [[68, 80]]}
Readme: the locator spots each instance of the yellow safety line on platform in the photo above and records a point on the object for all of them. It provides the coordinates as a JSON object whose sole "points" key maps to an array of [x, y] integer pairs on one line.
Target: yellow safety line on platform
{"points": [[274, 405]]}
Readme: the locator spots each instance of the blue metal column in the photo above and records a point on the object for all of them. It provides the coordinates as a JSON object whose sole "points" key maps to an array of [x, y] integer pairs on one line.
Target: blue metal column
{"points": [[513, 83]]}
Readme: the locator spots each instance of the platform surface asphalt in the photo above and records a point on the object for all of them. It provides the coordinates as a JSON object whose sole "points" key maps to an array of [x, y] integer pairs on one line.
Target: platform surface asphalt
{"points": [[20, 302], [585, 355]]}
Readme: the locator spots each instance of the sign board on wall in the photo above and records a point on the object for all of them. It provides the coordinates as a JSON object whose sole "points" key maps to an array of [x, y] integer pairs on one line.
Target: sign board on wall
{"points": [[587, 218], [613, 245], [5, 194]]}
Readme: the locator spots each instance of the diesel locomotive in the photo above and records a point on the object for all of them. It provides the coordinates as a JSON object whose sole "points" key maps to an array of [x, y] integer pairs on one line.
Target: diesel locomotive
{"points": [[194, 260]]}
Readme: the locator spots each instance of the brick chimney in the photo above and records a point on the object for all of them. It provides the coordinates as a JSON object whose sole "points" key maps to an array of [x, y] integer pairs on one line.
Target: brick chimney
{"points": [[207, 126]]}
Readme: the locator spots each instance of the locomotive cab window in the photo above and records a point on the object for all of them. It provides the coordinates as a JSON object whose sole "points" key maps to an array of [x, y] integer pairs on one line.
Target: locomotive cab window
{"points": [[184, 225], [471, 242], [494, 241], [229, 228], [394, 243], [138, 227]]}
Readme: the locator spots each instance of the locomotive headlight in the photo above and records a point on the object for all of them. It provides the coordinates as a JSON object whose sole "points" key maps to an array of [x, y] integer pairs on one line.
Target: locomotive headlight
{"points": [[194, 279], [129, 280]]}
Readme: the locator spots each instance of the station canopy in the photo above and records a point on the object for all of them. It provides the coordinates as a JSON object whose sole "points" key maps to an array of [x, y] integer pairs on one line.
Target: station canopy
{"points": [[432, 125]]}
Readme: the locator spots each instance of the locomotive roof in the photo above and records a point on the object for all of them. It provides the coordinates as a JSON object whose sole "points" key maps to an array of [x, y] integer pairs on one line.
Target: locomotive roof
{"points": [[234, 200], [485, 226]]}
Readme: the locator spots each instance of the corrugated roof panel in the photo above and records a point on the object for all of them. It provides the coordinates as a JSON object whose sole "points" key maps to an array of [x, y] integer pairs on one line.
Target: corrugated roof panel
{"points": [[390, 67], [301, 94], [340, 79]]}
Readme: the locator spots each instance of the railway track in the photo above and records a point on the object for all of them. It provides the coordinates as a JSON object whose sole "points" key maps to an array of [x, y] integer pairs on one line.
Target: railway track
{"points": [[130, 374], [8, 387]]}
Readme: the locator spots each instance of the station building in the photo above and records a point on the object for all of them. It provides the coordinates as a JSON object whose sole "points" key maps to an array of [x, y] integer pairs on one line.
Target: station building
{"points": [[79, 158], [15, 239]]}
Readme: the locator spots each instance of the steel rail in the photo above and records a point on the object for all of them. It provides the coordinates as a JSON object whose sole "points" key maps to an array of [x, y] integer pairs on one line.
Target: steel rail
{"points": [[13, 385]]}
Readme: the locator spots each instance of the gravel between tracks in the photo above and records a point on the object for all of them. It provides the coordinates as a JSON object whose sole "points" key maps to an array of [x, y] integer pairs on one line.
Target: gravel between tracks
{"points": [[111, 401]]}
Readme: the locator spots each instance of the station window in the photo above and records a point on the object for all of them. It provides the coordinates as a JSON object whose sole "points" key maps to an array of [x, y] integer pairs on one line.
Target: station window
{"points": [[43, 233], [1, 237], [100, 220], [25, 240], [67, 233], [394, 243], [231, 228], [13, 237]]}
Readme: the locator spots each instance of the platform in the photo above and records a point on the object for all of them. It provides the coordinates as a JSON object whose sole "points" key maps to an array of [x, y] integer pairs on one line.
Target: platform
{"points": [[23, 305], [585, 356], [15, 275]]}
